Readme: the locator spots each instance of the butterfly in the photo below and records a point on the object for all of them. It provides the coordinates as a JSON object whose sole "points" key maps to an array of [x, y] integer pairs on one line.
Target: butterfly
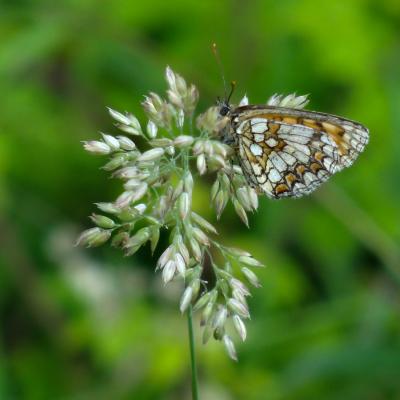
{"points": [[287, 151]]}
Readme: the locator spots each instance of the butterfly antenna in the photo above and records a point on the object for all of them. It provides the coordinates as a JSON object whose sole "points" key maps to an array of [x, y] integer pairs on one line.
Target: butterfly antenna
{"points": [[233, 86], [221, 69]]}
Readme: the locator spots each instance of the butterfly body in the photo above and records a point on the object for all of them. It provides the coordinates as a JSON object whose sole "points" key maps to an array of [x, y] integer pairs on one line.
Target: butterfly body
{"points": [[289, 152]]}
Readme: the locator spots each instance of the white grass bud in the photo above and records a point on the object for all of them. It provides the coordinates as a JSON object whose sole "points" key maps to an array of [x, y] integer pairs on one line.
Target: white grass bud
{"points": [[183, 141], [239, 295], [210, 120], [238, 308], [140, 191], [141, 208], [170, 150], [241, 212], [126, 143], [180, 118], [111, 141], [151, 129], [93, 237], [161, 142], [168, 271], [188, 182], [183, 250], [250, 261], [102, 221], [127, 173], [192, 98], [222, 149], [225, 181], [175, 98], [186, 299], [214, 189], [198, 147], [120, 239], [196, 251], [251, 277], [123, 119], [208, 147], [165, 256], [177, 191], [96, 147], [125, 199], [218, 161], [253, 197], [170, 77], [220, 202], [203, 223], [140, 237], [180, 263], [207, 333], [201, 164], [132, 184], [135, 124], [195, 285], [130, 196], [108, 208], [116, 161], [184, 205], [202, 301], [220, 318], [240, 286], [152, 154], [180, 84], [244, 198], [238, 252], [149, 107], [229, 347], [154, 238], [207, 313], [200, 236], [129, 130], [240, 327]]}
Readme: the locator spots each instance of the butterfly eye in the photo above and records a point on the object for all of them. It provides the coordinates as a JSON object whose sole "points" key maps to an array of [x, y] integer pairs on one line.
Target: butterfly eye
{"points": [[224, 110]]}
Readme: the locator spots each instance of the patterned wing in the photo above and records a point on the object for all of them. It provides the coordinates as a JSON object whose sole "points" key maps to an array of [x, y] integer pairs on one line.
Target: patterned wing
{"points": [[291, 153]]}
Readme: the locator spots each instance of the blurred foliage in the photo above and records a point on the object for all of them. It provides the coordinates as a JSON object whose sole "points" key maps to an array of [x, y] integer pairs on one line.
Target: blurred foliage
{"points": [[81, 324]]}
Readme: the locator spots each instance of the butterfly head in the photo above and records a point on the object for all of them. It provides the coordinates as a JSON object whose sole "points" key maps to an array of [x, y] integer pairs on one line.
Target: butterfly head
{"points": [[224, 106]]}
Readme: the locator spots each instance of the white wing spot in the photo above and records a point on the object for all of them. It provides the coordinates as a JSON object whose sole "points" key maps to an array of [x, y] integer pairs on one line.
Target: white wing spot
{"points": [[256, 168], [259, 127], [279, 164], [309, 178], [301, 157], [274, 175], [301, 147], [284, 129], [295, 138], [328, 164], [303, 130], [271, 142], [256, 149], [255, 121], [259, 137], [287, 158], [327, 140], [267, 187]]}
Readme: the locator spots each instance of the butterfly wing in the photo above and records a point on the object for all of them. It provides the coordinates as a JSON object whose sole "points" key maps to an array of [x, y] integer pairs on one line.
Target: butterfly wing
{"points": [[288, 152]]}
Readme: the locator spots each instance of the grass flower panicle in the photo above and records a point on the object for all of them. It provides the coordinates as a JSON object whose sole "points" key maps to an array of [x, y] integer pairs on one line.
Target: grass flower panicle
{"points": [[158, 182]]}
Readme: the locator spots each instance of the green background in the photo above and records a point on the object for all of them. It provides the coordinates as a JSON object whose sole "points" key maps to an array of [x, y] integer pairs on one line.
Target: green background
{"points": [[90, 324]]}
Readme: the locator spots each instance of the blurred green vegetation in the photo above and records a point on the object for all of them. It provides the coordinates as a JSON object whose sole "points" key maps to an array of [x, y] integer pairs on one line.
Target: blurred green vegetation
{"points": [[79, 324]]}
